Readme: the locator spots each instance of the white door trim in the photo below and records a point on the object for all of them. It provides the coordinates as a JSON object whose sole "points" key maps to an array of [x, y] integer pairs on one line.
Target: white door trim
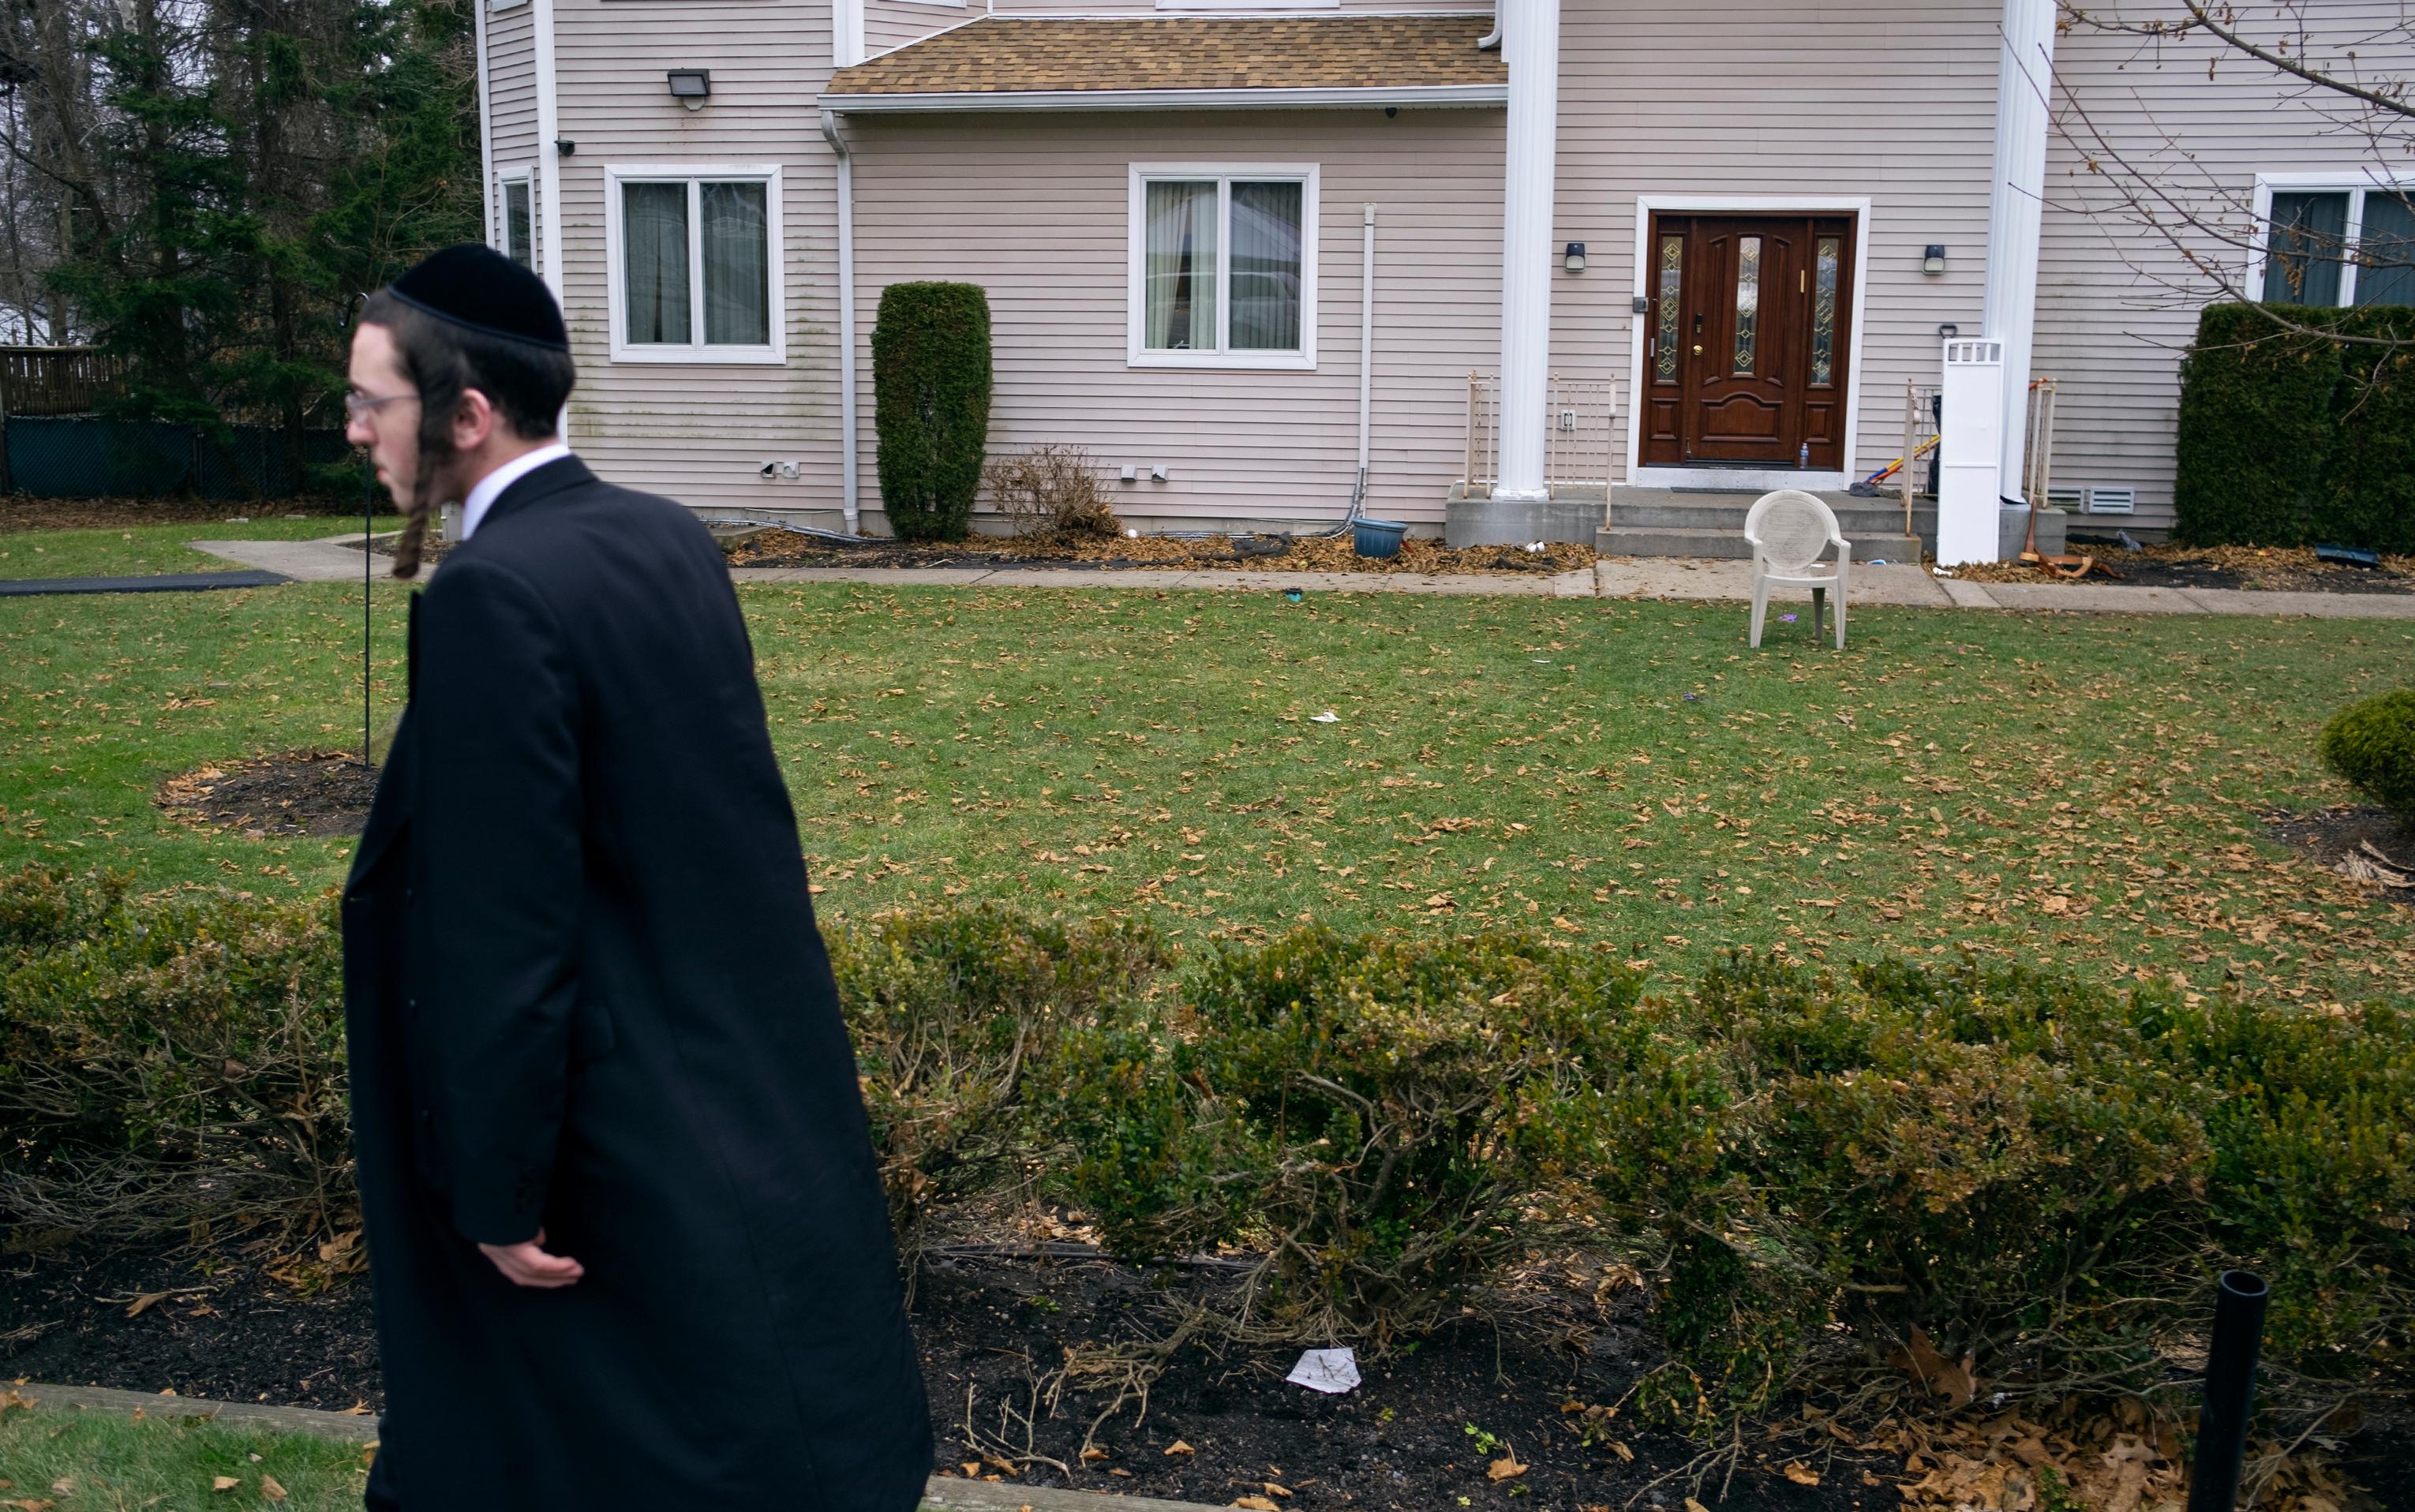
{"points": [[1858, 205]]}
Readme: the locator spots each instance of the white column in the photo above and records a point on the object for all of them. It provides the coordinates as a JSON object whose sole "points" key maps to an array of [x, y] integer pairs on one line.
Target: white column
{"points": [[2024, 79], [1530, 41], [549, 156]]}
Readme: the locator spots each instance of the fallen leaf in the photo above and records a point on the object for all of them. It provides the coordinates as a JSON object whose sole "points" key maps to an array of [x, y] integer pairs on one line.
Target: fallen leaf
{"points": [[1955, 1383], [1692, 1506], [1273, 1490], [1623, 1452], [1093, 1455], [972, 1468], [1504, 1468], [1256, 1504], [1800, 1473], [223, 1483], [63, 1485], [1178, 1446], [29, 1505], [269, 1489]]}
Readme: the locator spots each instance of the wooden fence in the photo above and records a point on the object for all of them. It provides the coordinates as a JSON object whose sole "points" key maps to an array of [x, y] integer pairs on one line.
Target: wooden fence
{"points": [[50, 380]]}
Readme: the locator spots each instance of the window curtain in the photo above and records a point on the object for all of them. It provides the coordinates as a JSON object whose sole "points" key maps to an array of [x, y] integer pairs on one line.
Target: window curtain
{"points": [[1265, 266], [737, 266], [2301, 264], [1178, 267], [2387, 243], [653, 239]]}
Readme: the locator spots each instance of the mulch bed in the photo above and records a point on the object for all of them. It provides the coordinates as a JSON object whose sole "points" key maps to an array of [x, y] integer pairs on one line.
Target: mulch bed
{"points": [[123, 514], [776, 547], [2270, 569], [304, 793], [2368, 844], [995, 1321]]}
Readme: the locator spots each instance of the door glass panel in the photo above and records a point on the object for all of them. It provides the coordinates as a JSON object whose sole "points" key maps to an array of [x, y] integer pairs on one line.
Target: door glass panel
{"points": [[1823, 310], [1673, 257], [1747, 304]]}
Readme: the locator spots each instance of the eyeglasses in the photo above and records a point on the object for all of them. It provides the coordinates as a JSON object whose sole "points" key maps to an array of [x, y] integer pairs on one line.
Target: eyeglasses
{"points": [[357, 404]]}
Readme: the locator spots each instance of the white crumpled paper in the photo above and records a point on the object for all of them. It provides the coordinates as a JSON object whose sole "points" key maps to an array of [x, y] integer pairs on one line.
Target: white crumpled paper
{"points": [[1330, 1371]]}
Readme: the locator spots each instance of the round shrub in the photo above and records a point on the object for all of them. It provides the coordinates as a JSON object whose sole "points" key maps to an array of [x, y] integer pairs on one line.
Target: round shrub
{"points": [[2372, 746], [931, 391]]}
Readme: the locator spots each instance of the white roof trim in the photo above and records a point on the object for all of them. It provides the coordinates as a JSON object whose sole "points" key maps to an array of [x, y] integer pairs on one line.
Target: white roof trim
{"points": [[1150, 99]]}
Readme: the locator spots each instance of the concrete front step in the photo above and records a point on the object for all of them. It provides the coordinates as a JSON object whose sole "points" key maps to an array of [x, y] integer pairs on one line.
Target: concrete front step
{"points": [[1677, 541]]}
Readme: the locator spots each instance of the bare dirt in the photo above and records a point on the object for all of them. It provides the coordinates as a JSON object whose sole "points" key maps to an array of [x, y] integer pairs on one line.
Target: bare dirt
{"points": [[2362, 841], [776, 547], [300, 793], [2268, 569], [1429, 1427]]}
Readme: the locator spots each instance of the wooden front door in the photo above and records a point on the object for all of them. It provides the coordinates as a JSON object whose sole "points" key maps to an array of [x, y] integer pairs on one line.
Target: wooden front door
{"points": [[1746, 331]]}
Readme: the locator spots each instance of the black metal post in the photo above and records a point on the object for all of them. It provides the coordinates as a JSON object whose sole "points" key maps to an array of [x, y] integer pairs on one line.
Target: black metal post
{"points": [[2229, 1391]]}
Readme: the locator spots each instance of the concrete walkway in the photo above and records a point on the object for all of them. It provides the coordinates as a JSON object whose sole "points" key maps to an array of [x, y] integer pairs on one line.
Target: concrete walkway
{"points": [[944, 1493], [1631, 577]]}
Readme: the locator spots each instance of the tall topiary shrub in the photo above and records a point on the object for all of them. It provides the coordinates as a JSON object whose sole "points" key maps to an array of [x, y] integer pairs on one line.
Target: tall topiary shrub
{"points": [[2369, 496], [2254, 430], [931, 387]]}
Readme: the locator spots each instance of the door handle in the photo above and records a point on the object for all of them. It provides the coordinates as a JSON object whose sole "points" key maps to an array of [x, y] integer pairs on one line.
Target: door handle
{"points": [[1697, 349]]}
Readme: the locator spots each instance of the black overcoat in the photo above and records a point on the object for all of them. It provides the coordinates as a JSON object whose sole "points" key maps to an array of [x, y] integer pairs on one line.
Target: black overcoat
{"points": [[584, 990]]}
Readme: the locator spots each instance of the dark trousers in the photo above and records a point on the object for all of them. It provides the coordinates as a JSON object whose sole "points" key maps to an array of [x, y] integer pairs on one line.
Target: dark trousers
{"points": [[384, 1494]]}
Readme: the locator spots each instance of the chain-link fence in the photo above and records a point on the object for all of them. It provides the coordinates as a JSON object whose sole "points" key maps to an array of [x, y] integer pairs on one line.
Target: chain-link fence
{"points": [[81, 456]]}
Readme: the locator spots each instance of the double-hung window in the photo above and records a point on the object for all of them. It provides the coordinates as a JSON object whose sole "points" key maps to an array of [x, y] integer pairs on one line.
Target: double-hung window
{"points": [[2339, 243], [1223, 265], [694, 260]]}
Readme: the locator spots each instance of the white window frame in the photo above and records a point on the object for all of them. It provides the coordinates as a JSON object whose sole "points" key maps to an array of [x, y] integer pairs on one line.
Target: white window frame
{"points": [[695, 353], [2352, 183], [499, 233], [1136, 352]]}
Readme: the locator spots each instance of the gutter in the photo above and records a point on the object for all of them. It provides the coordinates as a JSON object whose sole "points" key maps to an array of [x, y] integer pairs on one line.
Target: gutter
{"points": [[1442, 95], [1490, 42], [850, 499]]}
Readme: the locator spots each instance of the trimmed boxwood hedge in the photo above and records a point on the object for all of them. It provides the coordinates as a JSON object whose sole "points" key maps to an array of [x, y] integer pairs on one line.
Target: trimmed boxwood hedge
{"points": [[2291, 438], [2372, 746], [931, 392]]}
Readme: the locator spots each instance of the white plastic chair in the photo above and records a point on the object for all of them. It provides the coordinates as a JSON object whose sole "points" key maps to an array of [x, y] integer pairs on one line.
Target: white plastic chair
{"points": [[1788, 530]]}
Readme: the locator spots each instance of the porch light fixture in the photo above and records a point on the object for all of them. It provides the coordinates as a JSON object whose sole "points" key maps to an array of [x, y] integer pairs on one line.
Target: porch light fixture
{"points": [[690, 86], [1932, 260], [1575, 259], [1948, 330]]}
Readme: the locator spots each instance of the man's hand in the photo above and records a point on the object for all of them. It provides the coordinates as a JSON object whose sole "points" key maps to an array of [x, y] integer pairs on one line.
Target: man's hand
{"points": [[529, 1264]]}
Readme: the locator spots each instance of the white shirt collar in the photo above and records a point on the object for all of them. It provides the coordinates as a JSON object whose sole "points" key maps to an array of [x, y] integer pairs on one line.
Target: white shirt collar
{"points": [[484, 493]]}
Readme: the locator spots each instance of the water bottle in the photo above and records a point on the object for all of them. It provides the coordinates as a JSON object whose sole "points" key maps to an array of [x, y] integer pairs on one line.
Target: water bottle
{"points": [[1802, 457]]}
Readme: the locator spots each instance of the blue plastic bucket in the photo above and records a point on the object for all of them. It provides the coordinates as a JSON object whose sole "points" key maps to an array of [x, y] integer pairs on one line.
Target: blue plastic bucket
{"points": [[1377, 537]]}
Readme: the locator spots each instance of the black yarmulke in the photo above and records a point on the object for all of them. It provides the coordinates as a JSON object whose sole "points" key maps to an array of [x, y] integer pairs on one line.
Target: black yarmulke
{"points": [[479, 288]]}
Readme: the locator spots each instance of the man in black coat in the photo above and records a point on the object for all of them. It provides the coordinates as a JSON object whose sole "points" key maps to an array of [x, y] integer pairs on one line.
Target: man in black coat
{"points": [[626, 1235]]}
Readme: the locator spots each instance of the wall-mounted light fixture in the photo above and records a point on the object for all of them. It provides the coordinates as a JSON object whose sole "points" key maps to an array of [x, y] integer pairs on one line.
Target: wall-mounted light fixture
{"points": [[1948, 330], [1932, 259], [691, 87], [1574, 262], [563, 146]]}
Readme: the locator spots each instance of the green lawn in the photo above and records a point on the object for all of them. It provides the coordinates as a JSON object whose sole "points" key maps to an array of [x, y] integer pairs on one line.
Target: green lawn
{"points": [[2081, 791], [66, 1460], [140, 550]]}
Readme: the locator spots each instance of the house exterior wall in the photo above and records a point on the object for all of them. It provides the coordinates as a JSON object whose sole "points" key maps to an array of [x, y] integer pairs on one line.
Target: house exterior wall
{"points": [[700, 433], [2116, 303], [1788, 99], [889, 23], [511, 91], [1035, 209]]}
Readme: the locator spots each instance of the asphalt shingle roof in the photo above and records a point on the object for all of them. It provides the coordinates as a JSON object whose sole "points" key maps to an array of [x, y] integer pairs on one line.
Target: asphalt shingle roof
{"points": [[1013, 54]]}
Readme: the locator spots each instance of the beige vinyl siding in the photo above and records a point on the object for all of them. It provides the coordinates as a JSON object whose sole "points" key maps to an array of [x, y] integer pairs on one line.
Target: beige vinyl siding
{"points": [[1889, 98], [700, 433], [2116, 303], [889, 23], [1034, 208], [1126, 7], [511, 104]]}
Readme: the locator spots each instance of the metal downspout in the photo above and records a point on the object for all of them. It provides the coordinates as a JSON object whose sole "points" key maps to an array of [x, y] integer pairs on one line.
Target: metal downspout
{"points": [[848, 497]]}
